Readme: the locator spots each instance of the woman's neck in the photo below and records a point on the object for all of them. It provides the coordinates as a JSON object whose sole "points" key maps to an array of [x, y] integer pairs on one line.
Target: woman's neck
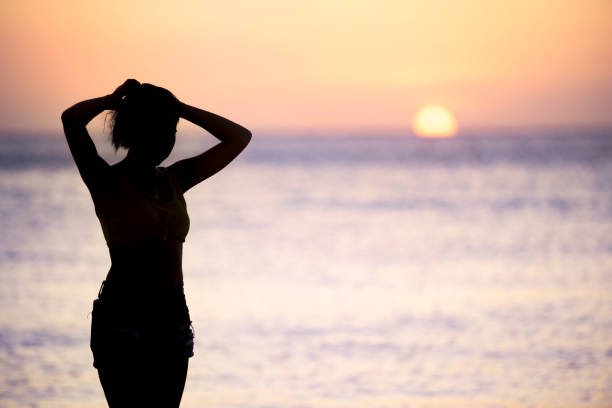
{"points": [[137, 168]]}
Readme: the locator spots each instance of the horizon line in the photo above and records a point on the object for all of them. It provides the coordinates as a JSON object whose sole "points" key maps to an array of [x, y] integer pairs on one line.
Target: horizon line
{"points": [[345, 131]]}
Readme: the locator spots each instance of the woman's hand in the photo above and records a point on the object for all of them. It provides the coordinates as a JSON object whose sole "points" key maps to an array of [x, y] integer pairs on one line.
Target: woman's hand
{"points": [[124, 89]]}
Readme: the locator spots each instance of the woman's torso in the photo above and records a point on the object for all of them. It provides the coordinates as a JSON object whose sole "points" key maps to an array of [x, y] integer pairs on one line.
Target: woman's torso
{"points": [[145, 223]]}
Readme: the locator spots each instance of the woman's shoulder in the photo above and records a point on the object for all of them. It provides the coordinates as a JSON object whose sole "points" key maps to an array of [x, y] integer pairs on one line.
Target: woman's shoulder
{"points": [[167, 171]]}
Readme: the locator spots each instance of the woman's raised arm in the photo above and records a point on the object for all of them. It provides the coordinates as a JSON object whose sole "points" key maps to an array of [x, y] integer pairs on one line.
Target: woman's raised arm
{"points": [[75, 119], [234, 138]]}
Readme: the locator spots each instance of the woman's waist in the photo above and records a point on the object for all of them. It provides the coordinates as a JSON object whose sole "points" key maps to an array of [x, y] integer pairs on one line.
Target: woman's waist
{"points": [[135, 275], [150, 266], [166, 254], [147, 263], [147, 245], [126, 304], [121, 289]]}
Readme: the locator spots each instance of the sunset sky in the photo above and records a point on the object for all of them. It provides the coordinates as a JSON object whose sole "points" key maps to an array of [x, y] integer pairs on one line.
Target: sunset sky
{"points": [[322, 64]]}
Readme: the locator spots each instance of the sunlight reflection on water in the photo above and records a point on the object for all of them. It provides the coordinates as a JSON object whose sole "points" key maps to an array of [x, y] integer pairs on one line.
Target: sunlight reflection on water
{"points": [[372, 284]]}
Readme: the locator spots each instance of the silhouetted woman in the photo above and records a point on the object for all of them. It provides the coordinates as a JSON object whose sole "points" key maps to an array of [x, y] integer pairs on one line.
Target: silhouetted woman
{"points": [[141, 335]]}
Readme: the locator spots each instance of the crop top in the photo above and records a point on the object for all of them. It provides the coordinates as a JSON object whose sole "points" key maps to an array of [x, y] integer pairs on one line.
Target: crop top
{"points": [[129, 216]]}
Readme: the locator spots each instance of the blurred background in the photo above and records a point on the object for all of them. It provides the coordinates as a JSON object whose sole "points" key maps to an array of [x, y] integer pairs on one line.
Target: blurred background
{"points": [[423, 217]]}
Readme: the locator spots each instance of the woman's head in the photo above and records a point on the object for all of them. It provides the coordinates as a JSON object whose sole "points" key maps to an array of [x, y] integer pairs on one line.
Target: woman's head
{"points": [[144, 122]]}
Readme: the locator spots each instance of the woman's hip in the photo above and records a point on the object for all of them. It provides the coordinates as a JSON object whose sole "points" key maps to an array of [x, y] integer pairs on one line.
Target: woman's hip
{"points": [[128, 324]]}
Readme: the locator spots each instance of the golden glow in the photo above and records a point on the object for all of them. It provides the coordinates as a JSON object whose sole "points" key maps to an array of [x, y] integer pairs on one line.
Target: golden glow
{"points": [[434, 121], [273, 64]]}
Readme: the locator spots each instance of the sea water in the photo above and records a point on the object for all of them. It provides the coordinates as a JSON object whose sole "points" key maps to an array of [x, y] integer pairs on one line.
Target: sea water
{"points": [[338, 272]]}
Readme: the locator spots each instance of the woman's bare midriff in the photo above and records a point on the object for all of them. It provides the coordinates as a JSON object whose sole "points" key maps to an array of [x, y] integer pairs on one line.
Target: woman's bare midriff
{"points": [[151, 262]]}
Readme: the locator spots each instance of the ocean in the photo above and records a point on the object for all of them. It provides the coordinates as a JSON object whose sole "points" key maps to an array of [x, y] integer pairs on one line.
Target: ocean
{"points": [[337, 272]]}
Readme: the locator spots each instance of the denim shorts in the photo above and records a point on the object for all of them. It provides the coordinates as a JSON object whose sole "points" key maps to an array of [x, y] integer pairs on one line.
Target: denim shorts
{"points": [[131, 325]]}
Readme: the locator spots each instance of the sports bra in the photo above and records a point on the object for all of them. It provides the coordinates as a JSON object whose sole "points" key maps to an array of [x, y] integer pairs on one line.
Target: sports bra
{"points": [[128, 216]]}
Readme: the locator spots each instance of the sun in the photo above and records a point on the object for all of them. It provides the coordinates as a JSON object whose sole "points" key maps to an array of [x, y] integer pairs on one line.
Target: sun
{"points": [[434, 121]]}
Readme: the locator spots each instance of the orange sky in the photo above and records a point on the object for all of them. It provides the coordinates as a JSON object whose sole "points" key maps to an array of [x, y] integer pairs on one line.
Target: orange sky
{"points": [[321, 64]]}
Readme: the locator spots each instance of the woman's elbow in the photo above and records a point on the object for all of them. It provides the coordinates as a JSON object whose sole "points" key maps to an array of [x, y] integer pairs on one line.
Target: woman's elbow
{"points": [[66, 115], [246, 136], [69, 117]]}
